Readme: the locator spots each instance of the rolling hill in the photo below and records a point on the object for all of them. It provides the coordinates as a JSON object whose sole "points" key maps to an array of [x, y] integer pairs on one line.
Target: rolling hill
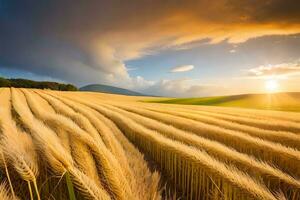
{"points": [[289, 101], [109, 89]]}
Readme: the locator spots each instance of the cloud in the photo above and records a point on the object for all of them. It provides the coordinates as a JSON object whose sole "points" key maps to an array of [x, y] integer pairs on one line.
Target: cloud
{"points": [[182, 68], [90, 41], [279, 70], [182, 88], [139, 83]]}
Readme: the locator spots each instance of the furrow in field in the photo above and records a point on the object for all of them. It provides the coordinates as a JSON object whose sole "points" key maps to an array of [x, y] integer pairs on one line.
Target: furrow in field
{"points": [[18, 149], [250, 113], [169, 153], [88, 121], [272, 177], [58, 159], [284, 138], [80, 152], [269, 124], [285, 158], [112, 171], [146, 182]]}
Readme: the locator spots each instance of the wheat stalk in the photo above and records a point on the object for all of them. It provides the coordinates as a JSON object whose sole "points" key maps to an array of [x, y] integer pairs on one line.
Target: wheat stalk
{"points": [[4, 194], [111, 168], [80, 152], [106, 134], [143, 179], [222, 152], [86, 118], [284, 138], [57, 157], [3, 161], [248, 113], [94, 142], [287, 159], [18, 146], [144, 138], [269, 123]]}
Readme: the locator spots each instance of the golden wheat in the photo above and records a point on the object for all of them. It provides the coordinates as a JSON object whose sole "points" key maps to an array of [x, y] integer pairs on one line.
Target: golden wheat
{"points": [[4, 193], [287, 159], [154, 143], [222, 152], [145, 179], [112, 170], [18, 146], [269, 124], [147, 183], [59, 160], [247, 113], [284, 138], [80, 152], [113, 147], [92, 125]]}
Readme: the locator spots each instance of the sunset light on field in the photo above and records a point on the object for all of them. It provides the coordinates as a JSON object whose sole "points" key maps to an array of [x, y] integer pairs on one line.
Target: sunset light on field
{"points": [[150, 100]]}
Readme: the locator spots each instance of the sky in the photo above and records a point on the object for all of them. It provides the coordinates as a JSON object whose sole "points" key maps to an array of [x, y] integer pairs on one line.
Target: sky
{"points": [[182, 48]]}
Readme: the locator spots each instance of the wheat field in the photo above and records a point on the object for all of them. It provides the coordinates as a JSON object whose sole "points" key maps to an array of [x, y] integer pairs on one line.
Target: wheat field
{"points": [[80, 145]]}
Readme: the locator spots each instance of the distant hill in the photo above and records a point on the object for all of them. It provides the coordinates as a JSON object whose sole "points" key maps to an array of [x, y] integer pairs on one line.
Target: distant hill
{"points": [[287, 101], [109, 89], [25, 83]]}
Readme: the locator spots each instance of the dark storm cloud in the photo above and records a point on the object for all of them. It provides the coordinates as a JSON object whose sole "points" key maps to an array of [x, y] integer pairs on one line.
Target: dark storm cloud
{"points": [[88, 41], [273, 11]]}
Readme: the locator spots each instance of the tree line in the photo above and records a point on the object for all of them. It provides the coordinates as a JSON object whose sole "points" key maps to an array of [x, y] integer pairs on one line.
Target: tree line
{"points": [[25, 83]]}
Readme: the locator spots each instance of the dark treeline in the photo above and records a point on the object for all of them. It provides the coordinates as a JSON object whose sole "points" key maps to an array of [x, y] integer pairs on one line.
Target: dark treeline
{"points": [[24, 83]]}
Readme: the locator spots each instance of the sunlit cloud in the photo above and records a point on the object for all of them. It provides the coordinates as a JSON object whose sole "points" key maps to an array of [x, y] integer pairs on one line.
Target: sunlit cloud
{"points": [[182, 68], [96, 46], [276, 71], [183, 88]]}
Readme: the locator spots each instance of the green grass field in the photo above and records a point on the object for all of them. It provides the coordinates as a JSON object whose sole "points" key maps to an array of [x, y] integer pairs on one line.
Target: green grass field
{"points": [[277, 101]]}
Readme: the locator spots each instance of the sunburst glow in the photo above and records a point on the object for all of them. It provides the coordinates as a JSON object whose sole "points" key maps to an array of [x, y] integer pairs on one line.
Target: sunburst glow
{"points": [[271, 85]]}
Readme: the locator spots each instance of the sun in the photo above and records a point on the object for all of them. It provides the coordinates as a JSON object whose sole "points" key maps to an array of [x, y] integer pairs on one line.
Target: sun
{"points": [[271, 85]]}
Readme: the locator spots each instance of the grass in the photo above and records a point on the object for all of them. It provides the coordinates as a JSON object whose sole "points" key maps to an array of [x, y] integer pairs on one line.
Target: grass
{"points": [[70, 187], [276, 101]]}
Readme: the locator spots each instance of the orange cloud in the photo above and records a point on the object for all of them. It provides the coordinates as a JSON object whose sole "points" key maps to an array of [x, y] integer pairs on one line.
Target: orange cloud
{"points": [[91, 40]]}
